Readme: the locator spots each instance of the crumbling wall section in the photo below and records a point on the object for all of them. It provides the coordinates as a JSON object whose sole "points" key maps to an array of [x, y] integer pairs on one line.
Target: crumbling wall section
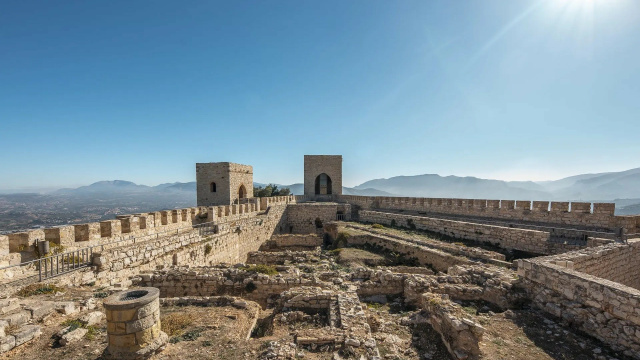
{"points": [[533, 241], [602, 308], [309, 218], [460, 334], [234, 239]]}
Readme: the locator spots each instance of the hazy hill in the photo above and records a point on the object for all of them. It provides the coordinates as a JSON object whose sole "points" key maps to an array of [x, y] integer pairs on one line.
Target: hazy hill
{"points": [[114, 186], [432, 185], [623, 184], [603, 187]]}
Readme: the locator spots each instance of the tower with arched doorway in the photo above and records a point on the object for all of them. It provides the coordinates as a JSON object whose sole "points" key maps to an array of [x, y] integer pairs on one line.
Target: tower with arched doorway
{"points": [[223, 183], [322, 175]]}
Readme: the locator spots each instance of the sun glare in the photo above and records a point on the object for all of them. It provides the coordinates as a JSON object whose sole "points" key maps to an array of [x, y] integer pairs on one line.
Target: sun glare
{"points": [[582, 4]]}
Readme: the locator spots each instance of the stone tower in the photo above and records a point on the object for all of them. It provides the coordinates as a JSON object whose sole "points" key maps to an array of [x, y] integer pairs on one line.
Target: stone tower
{"points": [[223, 183], [322, 175]]}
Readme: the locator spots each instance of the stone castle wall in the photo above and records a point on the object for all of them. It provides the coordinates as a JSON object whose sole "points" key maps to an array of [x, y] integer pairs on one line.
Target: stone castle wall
{"points": [[604, 309], [292, 241], [127, 229], [596, 216], [438, 259], [533, 241], [309, 218], [452, 248], [177, 282], [235, 237], [616, 262]]}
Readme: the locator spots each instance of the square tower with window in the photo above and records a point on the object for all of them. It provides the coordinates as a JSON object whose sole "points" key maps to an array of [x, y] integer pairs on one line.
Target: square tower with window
{"points": [[223, 183], [322, 175]]}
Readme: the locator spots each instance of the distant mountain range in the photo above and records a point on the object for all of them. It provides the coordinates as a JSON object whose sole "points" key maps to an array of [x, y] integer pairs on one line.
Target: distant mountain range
{"points": [[121, 186], [104, 199], [587, 187]]}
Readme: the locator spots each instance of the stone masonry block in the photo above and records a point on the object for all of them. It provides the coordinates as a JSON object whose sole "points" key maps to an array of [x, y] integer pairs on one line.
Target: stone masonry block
{"points": [[4, 245], [580, 207], [7, 343], [26, 333], [523, 205], [24, 241], [122, 341], [87, 232], [62, 235], [144, 323], [559, 207], [110, 228]]}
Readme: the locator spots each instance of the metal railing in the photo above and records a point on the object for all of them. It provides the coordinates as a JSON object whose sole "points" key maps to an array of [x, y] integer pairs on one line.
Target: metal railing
{"points": [[59, 264], [340, 217]]}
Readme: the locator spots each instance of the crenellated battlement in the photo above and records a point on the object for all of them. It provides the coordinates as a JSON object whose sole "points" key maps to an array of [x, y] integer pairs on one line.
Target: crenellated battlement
{"points": [[594, 216], [21, 246]]}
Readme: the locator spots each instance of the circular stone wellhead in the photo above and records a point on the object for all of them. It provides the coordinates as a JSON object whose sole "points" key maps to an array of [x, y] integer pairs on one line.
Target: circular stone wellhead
{"points": [[133, 324]]}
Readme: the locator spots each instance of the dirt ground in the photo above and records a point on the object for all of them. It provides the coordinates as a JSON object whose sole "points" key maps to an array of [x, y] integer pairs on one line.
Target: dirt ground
{"points": [[357, 257], [532, 335]]}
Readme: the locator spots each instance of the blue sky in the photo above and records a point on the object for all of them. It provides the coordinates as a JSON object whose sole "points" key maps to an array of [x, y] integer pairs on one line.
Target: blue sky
{"points": [[142, 90]]}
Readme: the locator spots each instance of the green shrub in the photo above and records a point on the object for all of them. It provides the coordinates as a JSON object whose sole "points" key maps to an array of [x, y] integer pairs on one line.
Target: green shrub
{"points": [[341, 240], [377, 226], [72, 324], [207, 249], [192, 335], [262, 269], [393, 223], [100, 294], [92, 331]]}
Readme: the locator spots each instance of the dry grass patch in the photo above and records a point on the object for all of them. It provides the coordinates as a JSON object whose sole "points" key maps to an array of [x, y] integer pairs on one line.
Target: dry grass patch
{"points": [[173, 324], [39, 289]]}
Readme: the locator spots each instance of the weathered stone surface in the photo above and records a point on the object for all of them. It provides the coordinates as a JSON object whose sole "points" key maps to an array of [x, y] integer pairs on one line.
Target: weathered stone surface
{"points": [[66, 307], [122, 341], [39, 309], [17, 318], [352, 342], [73, 336], [7, 343], [144, 323], [8, 305], [3, 325], [92, 318], [26, 333], [241, 304]]}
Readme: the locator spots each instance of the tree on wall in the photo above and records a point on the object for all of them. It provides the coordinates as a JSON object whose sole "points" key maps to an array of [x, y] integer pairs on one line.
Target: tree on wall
{"points": [[270, 190]]}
